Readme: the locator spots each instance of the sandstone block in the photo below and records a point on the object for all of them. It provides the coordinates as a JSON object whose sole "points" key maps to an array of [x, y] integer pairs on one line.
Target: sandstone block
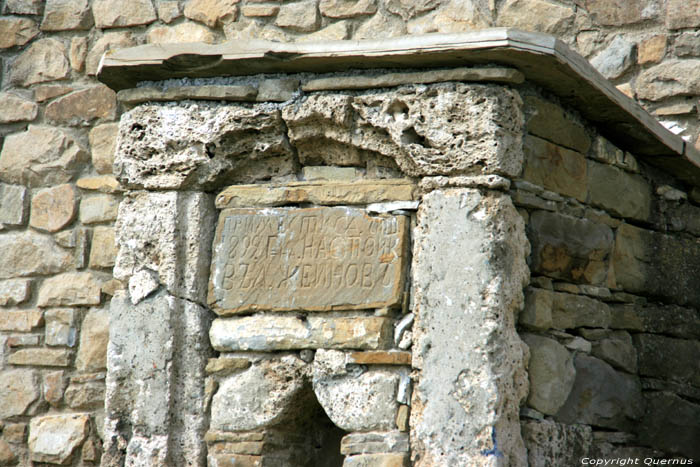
{"points": [[347, 9], [555, 168], [102, 145], [617, 350], [41, 357], [355, 402], [13, 204], [551, 372], [389, 24], [14, 291], [263, 332], [682, 14], [374, 442], [102, 183], [268, 393], [537, 15], [53, 438], [168, 11], [85, 396], [314, 259], [14, 432], [54, 384], [98, 208], [40, 156], [94, 336], [23, 340], [45, 92], [670, 320], [602, 396], [16, 108], [16, 31], [7, 456], [60, 327], [18, 389], [28, 253], [570, 248], [83, 106], [668, 79], [616, 14], [103, 250], [63, 15], [183, 32], [377, 460], [537, 313], [78, 53], [652, 50], [603, 183], [571, 311], [686, 44], [671, 423], [225, 365], [549, 121], [550, 443], [23, 7], [380, 358], [666, 358], [212, 12], [20, 320], [71, 288], [114, 14], [44, 60], [299, 16], [53, 208], [109, 41]]}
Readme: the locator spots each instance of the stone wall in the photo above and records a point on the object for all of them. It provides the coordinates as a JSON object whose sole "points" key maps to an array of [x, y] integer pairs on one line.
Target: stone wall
{"points": [[59, 199]]}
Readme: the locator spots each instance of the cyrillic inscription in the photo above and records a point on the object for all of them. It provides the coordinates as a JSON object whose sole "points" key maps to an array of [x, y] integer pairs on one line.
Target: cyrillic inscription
{"points": [[306, 259]]}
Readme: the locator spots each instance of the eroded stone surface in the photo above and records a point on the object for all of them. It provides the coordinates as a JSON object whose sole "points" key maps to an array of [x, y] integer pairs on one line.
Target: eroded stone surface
{"points": [[550, 443], [311, 259]]}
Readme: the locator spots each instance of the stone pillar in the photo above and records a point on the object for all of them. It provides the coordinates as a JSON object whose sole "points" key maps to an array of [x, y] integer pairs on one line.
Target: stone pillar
{"points": [[469, 271]]}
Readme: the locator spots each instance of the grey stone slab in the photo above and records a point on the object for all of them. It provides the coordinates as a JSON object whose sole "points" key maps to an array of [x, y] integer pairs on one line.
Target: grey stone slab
{"points": [[207, 92]]}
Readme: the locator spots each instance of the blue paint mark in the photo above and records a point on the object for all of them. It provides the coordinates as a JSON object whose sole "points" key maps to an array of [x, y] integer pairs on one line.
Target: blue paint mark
{"points": [[494, 451]]}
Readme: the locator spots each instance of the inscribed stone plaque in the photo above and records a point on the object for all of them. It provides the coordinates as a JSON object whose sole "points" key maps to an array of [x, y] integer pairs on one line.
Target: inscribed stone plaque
{"points": [[312, 259]]}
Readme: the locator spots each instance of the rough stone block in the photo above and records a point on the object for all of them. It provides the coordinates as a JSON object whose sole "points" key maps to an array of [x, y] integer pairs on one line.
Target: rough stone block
{"points": [[45, 60], [85, 396], [212, 12], [14, 291], [549, 121], [66, 15], [183, 32], [668, 358], [16, 31], [40, 156], [94, 336], [83, 106], [16, 108], [570, 248], [98, 208], [20, 320], [13, 204], [274, 332], [361, 401], [537, 15], [53, 208], [617, 350], [225, 365], [54, 384], [7, 456], [537, 313], [60, 327], [377, 460], [314, 259], [616, 58], [555, 168], [551, 371], [345, 9], [667, 79], [104, 184], [103, 250], [670, 320], [549, 443], [18, 389], [571, 311], [103, 139], [53, 438], [603, 185], [380, 358], [71, 288], [109, 41], [682, 14], [374, 442], [300, 16], [672, 424], [41, 357], [113, 14], [602, 396], [616, 14]]}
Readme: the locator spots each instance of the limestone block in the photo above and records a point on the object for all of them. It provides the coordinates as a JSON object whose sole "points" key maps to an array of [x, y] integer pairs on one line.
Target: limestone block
{"points": [[94, 336], [212, 12], [472, 297], [29, 253], [613, 61], [569, 248], [671, 423], [603, 184], [268, 393], [667, 358], [14, 291], [20, 320], [274, 332], [197, 146], [377, 460], [109, 41], [70, 288], [13, 204], [83, 106], [536, 15], [616, 14], [45, 60], [668, 79], [41, 357], [53, 208], [119, 13], [555, 168], [53, 438], [142, 284], [63, 15], [60, 327], [549, 443], [98, 208], [602, 396], [16, 31], [551, 372], [40, 156], [54, 384], [617, 350], [18, 389], [168, 233], [355, 401], [347, 9], [374, 442], [16, 108], [299, 16], [183, 32], [549, 121], [103, 250]]}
